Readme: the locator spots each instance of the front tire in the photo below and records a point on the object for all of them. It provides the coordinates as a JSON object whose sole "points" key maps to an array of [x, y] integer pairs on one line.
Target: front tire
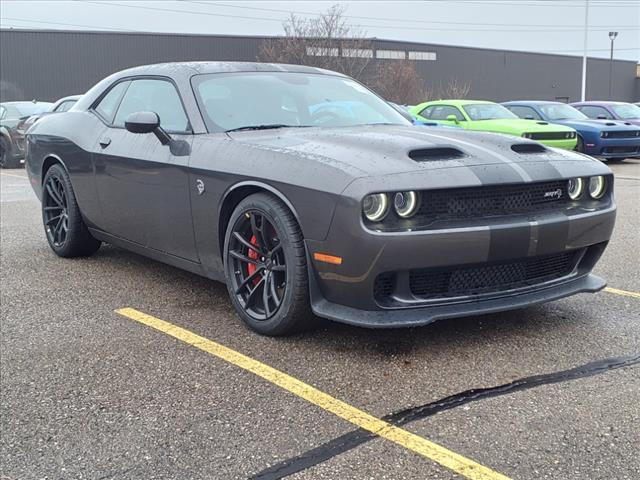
{"points": [[66, 232], [266, 266], [580, 145]]}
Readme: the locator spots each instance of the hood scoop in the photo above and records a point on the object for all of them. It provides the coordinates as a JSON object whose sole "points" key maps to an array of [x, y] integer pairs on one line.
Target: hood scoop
{"points": [[524, 148], [611, 124], [542, 123], [435, 153]]}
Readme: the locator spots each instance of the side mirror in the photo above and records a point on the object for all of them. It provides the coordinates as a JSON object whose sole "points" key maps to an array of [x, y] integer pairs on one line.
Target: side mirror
{"points": [[147, 122], [602, 117], [452, 118], [528, 117]]}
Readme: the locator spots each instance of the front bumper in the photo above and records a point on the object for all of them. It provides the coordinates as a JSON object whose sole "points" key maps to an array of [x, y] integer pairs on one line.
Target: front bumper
{"points": [[413, 317], [565, 144], [614, 148], [346, 292]]}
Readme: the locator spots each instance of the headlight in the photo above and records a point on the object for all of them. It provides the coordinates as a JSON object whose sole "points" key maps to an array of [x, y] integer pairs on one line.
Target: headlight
{"points": [[375, 206], [604, 134], [406, 203], [526, 135], [575, 188], [597, 187]]}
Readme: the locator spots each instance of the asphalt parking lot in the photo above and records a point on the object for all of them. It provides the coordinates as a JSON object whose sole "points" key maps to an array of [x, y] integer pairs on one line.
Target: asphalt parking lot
{"points": [[91, 393]]}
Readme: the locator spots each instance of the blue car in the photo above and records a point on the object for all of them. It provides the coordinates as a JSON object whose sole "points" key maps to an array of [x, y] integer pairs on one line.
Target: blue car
{"points": [[610, 139]]}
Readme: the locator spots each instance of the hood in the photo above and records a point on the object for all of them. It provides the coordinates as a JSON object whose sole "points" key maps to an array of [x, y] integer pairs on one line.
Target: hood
{"points": [[518, 126], [388, 149], [599, 125], [631, 121]]}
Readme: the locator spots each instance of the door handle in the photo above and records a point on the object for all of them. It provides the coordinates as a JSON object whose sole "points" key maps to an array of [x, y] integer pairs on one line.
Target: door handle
{"points": [[105, 142]]}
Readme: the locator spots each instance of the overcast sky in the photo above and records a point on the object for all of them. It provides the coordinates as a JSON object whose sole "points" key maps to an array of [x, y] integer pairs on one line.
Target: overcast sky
{"points": [[535, 25]]}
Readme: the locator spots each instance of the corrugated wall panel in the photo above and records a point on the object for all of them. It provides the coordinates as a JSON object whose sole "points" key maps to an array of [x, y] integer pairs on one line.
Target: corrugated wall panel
{"points": [[50, 64]]}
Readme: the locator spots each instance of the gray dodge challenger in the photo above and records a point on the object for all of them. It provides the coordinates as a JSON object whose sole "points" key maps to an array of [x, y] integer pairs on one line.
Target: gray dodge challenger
{"points": [[310, 196]]}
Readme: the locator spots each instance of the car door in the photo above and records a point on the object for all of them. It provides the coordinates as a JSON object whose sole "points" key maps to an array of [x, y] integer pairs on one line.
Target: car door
{"points": [[525, 112], [441, 112], [596, 112], [142, 186]]}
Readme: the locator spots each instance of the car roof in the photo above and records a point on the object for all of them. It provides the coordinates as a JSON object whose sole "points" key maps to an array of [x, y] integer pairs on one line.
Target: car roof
{"points": [[533, 102], [457, 102], [203, 67], [70, 97], [596, 102]]}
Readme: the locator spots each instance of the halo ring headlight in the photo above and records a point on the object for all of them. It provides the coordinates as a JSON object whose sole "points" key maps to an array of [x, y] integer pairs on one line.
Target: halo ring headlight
{"points": [[575, 188], [597, 187], [406, 203], [375, 206]]}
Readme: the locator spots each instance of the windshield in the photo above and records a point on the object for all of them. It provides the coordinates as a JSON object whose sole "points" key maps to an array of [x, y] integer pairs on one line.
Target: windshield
{"points": [[487, 111], [627, 112], [26, 109], [237, 100], [560, 111]]}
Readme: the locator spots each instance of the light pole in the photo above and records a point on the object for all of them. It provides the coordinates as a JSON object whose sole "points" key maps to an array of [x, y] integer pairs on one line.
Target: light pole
{"points": [[612, 37], [583, 92]]}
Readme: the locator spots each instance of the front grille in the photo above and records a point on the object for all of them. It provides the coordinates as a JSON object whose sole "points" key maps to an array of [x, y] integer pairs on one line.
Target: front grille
{"points": [[623, 134], [549, 135], [630, 149], [488, 278], [462, 203]]}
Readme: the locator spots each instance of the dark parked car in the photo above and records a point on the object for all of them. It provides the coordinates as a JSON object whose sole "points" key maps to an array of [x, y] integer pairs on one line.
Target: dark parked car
{"points": [[605, 138], [627, 112], [221, 169], [11, 138], [62, 105]]}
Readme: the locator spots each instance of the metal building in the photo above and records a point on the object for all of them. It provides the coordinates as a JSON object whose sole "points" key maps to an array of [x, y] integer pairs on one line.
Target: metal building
{"points": [[49, 64]]}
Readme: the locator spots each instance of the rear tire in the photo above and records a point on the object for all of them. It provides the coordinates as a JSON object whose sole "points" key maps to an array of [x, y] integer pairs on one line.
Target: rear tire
{"points": [[266, 267], [66, 232]]}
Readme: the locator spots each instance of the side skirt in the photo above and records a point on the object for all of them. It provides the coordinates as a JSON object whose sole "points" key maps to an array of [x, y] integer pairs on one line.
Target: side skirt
{"points": [[163, 257]]}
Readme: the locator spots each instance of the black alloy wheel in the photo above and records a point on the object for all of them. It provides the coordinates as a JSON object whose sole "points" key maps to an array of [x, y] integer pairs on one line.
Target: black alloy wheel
{"points": [[65, 229], [55, 212], [259, 265], [266, 266]]}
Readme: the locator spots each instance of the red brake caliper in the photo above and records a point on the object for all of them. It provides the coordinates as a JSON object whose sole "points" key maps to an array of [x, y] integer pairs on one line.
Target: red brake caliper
{"points": [[253, 255]]}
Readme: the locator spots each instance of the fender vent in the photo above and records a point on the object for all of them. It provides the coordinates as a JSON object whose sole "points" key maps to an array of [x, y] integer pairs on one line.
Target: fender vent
{"points": [[528, 148], [437, 153]]}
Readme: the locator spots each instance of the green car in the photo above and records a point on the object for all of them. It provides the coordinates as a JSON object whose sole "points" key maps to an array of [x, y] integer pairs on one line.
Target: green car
{"points": [[492, 117]]}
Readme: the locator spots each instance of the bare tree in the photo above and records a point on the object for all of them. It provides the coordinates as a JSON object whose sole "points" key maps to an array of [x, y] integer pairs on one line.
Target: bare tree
{"points": [[455, 88], [326, 41], [398, 81]]}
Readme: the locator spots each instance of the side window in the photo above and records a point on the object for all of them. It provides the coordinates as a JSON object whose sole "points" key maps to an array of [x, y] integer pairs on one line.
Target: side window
{"points": [[441, 112], [592, 111], [109, 103], [157, 96], [426, 113], [65, 106], [524, 112]]}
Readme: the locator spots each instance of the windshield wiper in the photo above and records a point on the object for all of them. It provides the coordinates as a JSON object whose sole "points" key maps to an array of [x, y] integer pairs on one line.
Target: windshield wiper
{"points": [[264, 127]]}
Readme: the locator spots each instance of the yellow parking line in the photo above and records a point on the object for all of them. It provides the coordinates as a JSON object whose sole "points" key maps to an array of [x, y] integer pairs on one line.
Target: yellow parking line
{"points": [[451, 460], [622, 292]]}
